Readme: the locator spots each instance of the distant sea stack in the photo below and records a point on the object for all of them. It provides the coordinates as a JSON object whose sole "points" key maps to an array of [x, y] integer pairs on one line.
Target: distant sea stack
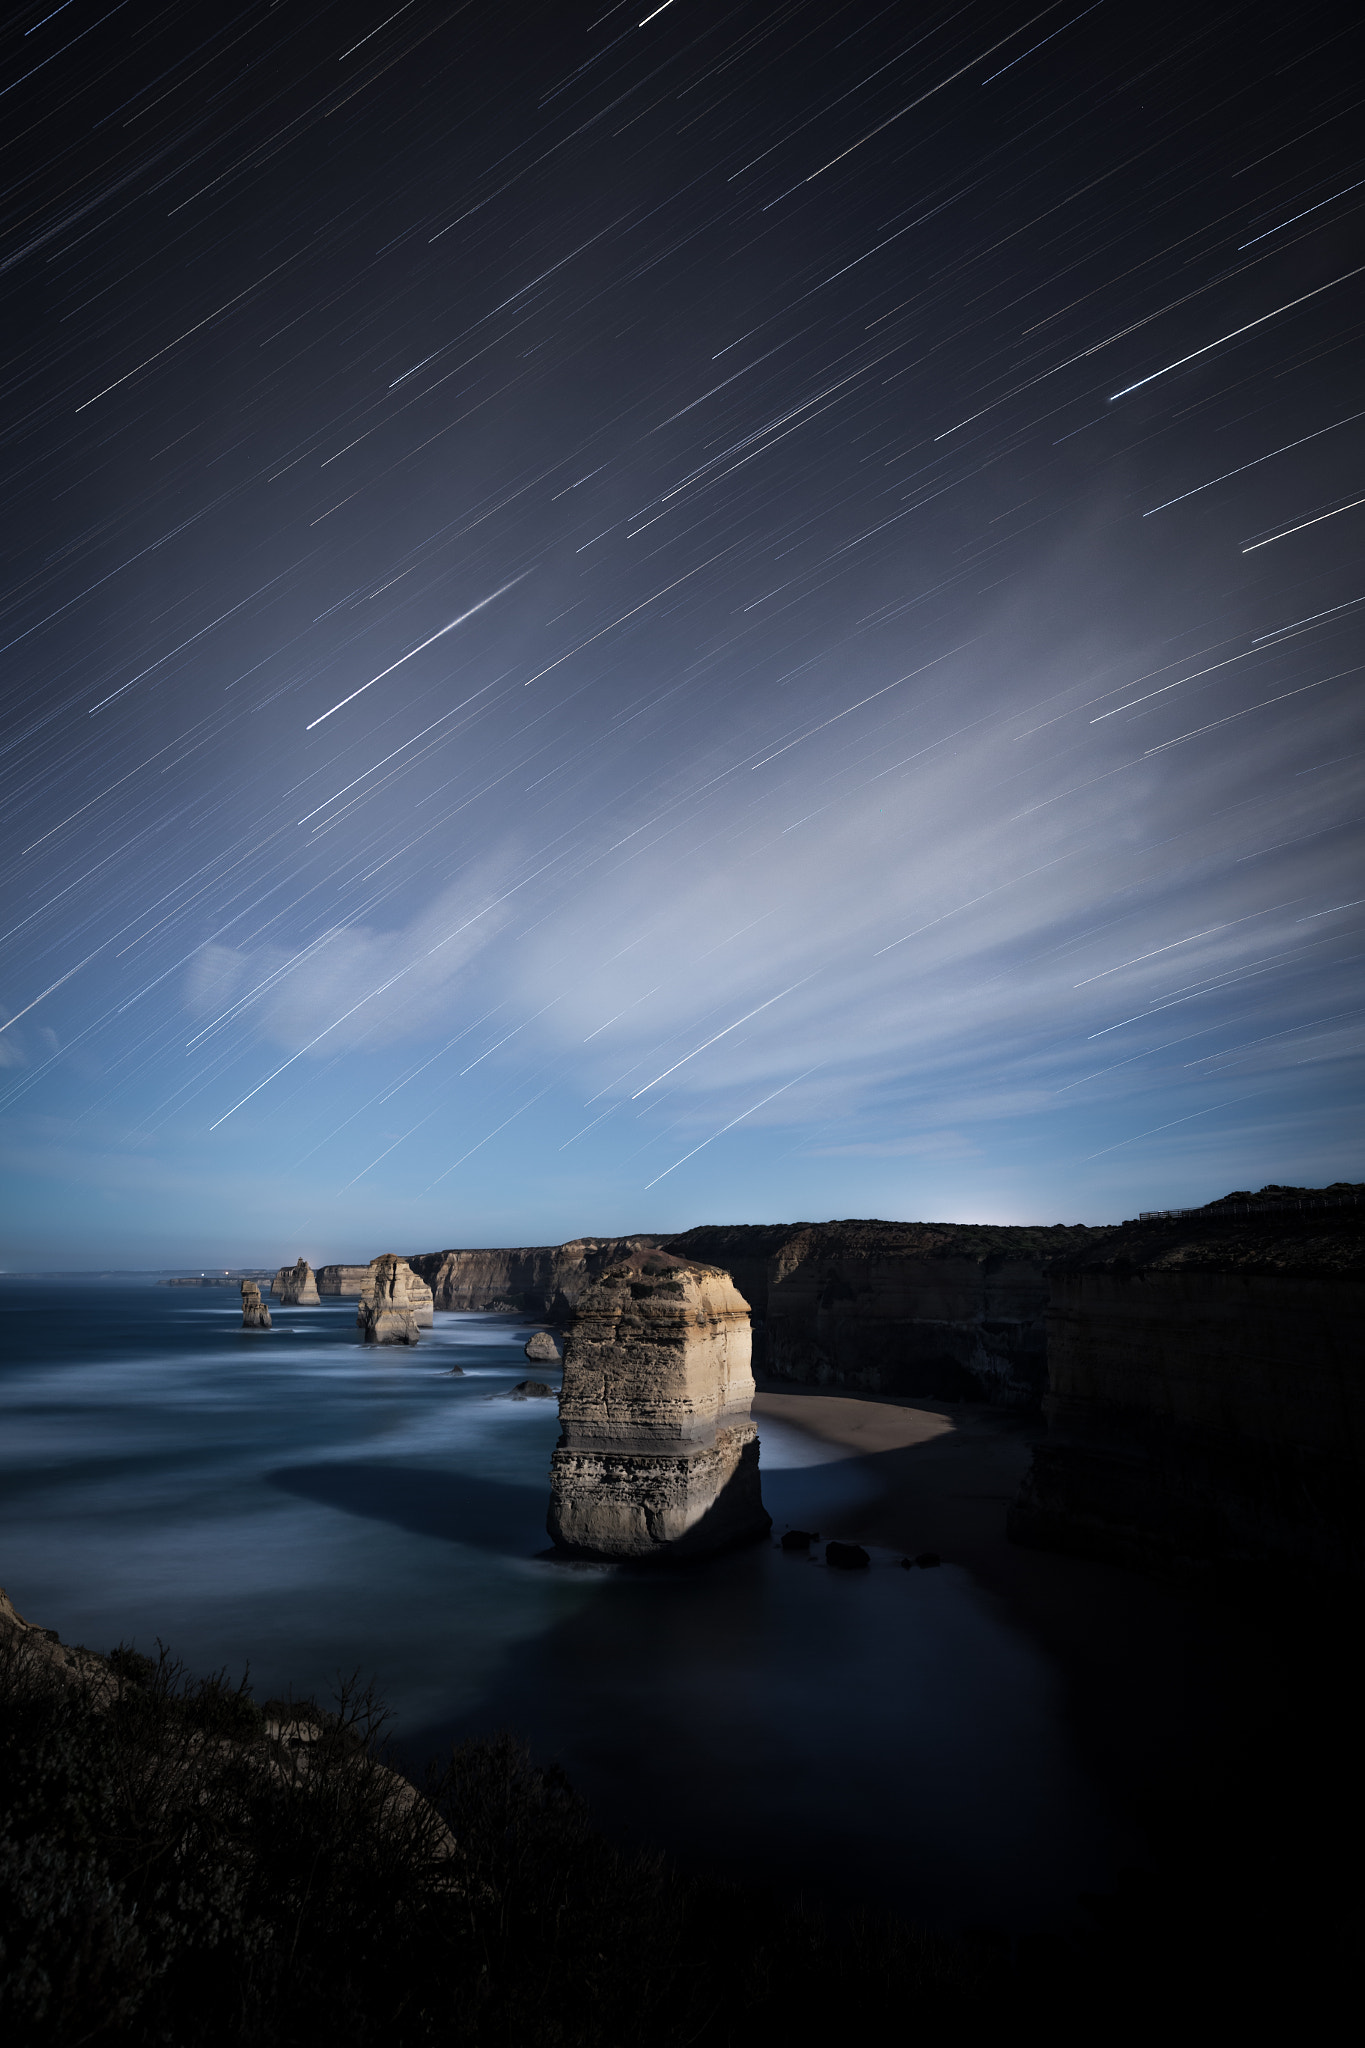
{"points": [[387, 1313], [658, 1454], [295, 1286], [255, 1314], [1206, 1398]]}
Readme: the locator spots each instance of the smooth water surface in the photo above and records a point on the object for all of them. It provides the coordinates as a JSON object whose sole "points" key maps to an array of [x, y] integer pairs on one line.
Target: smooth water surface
{"points": [[294, 1500]]}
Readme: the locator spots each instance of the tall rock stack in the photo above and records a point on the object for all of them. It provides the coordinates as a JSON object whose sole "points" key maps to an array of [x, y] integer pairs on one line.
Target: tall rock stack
{"points": [[417, 1294], [296, 1286], [255, 1314], [386, 1314], [657, 1454]]}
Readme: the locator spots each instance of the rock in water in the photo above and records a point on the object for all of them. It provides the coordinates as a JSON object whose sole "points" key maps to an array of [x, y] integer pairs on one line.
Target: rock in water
{"points": [[255, 1314], [386, 1314], [416, 1295], [847, 1557], [545, 1349], [532, 1389], [296, 1286], [657, 1455]]}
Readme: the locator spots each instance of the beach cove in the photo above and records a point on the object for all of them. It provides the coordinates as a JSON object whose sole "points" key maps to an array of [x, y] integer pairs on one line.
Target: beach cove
{"points": [[967, 1743]]}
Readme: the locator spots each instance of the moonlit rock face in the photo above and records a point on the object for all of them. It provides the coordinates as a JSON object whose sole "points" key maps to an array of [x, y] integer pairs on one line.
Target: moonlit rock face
{"points": [[416, 1296], [255, 1314], [386, 1314], [544, 1348], [658, 1454], [342, 1280], [296, 1286]]}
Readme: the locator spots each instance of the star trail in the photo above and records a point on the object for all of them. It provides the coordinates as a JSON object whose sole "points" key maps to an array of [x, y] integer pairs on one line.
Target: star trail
{"points": [[620, 618]]}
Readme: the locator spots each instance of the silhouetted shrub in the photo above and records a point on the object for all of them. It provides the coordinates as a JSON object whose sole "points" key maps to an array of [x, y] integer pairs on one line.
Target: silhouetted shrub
{"points": [[179, 1866]]}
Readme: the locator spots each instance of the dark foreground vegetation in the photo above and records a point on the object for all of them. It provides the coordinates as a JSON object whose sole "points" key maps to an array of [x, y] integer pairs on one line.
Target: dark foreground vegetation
{"points": [[180, 1866]]}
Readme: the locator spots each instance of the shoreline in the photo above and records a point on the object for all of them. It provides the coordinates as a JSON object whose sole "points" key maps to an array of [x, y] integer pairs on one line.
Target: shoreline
{"points": [[1160, 1685]]}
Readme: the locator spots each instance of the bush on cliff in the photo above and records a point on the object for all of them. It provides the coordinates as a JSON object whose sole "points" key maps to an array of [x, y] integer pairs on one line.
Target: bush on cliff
{"points": [[179, 1866]]}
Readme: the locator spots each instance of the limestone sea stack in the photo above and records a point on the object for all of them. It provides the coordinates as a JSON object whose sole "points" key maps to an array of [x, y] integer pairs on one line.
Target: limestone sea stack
{"points": [[545, 1348], [255, 1314], [417, 1295], [657, 1454], [386, 1314], [296, 1286]]}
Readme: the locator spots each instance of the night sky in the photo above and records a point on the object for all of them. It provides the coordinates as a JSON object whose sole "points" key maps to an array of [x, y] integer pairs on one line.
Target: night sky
{"points": [[619, 619]]}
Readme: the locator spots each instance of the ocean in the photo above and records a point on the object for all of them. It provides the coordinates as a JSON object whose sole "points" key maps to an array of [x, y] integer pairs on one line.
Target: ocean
{"points": [[294, 1504]]}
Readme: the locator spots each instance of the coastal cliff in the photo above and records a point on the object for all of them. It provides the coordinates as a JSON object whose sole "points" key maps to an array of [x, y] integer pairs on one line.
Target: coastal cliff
{"points": [[658, 1453], [538, 1280], [1206, 1397], [346, 1281], [951, 1311]]}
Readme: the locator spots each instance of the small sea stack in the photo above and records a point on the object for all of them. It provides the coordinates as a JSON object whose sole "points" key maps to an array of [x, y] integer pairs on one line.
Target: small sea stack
{"points": [[255, 1314], [386, 1314], [296, 1286], [545, 1348], [658, 1455]]}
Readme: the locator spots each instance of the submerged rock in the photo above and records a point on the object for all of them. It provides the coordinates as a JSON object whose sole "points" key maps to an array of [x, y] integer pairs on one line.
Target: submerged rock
{"points": [[532, 1390], [658, 1454], [296, 1286], [847, 1557], [544, 1348], [386, 1314], [255, 1314]]}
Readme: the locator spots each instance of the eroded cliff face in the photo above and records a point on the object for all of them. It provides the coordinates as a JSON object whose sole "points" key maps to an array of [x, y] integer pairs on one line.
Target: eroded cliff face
{"points": [[1206, 1395], [950, 1311], [538, 1280], [346, 1281], [658, 1454], [295, 1286]]}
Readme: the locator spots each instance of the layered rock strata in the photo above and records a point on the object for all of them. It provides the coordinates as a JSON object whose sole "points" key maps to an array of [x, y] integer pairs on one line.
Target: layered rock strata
{"points": [[538, 1280], [948, 1310], [387, 1314], [657, 1454], [418, 1294], [296, 1286], [255, 1314], [1206, 1394], [346, 1281]]}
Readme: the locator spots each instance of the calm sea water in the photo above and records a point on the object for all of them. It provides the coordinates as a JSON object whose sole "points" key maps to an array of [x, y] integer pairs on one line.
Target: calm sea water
{"points": [[307, 1506]]}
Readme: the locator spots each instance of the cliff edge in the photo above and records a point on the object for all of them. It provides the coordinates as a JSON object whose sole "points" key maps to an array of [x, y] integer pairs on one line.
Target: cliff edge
{"points": [[1206, 1389]]}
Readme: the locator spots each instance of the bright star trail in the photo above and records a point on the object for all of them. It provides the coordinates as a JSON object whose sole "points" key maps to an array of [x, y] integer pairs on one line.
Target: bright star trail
{"points": [[518, 518]]}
